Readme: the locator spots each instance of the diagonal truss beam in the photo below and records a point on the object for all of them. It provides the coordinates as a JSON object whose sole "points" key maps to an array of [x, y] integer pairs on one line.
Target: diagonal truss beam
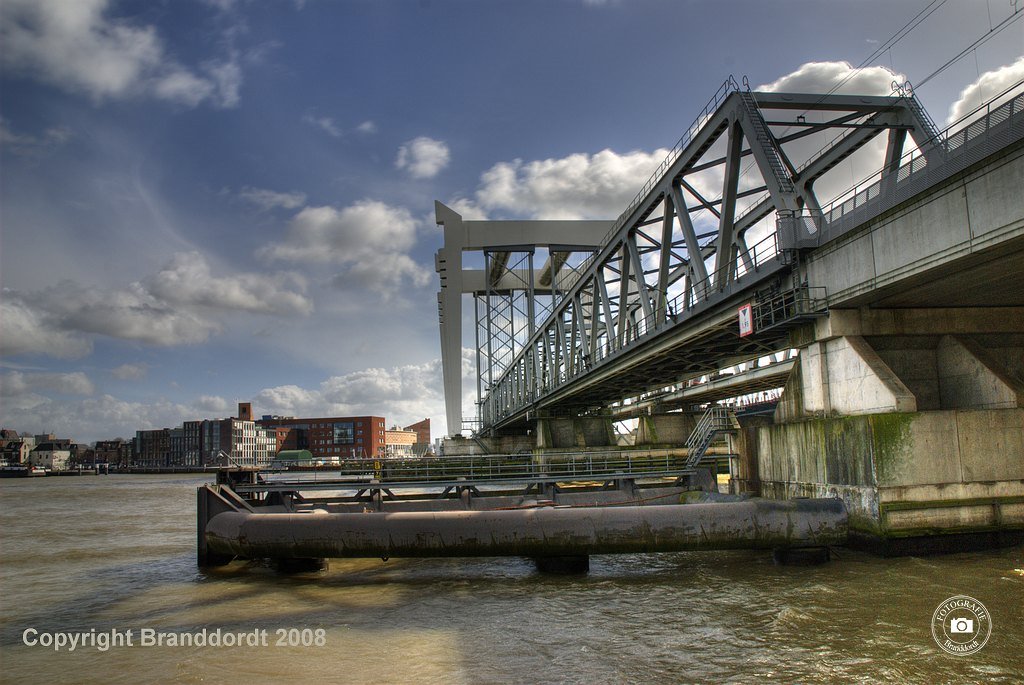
{"points": [[639, 283]]}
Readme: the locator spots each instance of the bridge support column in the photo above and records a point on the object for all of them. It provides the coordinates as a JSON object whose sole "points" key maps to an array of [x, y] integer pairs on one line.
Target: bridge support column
{"points": [[573, 433], [920, 429], [665, 429]]}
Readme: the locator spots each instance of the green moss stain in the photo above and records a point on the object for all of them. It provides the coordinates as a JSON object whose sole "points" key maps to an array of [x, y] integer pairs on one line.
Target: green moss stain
{"points": [[892, 444]]}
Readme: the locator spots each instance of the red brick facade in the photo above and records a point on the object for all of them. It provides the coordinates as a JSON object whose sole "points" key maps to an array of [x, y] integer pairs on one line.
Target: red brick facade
{"points": [[339, 436]]}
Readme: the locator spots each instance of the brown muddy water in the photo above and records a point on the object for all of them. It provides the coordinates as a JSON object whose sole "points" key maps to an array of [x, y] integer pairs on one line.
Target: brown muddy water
{"points": [[113, 554]]}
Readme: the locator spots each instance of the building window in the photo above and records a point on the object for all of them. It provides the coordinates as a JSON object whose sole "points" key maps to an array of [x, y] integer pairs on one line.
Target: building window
{"points": [[343, 433]]}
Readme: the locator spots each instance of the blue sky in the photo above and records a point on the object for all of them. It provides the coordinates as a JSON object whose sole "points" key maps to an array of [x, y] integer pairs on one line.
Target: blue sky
{"points": [[206, 202]]}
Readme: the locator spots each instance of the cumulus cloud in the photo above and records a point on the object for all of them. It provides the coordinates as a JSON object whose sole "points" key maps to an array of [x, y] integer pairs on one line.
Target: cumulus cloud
{"points": [[130, 372], [269, 199], [188, 280], [370, 238], [467, 209], [367, 127], [423, 157], [402, 394], [92, 418], [213, 404], [183, 303], [989, 85], [17, 383], [77, 46], [130, 314], [28, 329], [579, 186], [820, 77]]}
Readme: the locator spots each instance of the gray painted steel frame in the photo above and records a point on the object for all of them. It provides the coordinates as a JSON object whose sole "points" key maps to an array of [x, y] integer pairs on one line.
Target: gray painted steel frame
{"points": [[617, 314]]}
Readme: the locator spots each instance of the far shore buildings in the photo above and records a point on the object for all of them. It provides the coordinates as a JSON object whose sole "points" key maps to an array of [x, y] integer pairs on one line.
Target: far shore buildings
{"points": [[241, 440], [236, 441], [398, 442], [332, 438], [45, 451]]}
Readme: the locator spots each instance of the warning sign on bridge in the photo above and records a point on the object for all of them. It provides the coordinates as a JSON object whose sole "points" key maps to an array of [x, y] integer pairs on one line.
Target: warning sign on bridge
{"points": [[746, 320]]}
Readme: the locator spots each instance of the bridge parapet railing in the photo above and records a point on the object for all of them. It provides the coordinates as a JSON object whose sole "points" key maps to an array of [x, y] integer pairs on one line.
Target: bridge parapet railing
{"points": [[567, 466], [972, 138]]}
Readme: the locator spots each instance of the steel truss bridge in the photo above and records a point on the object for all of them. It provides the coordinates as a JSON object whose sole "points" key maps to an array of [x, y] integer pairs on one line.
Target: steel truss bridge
{"points": [[647, 305]]}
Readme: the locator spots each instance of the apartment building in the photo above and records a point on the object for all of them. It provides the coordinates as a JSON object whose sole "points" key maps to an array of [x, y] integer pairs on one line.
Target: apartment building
{"points": [[336, 437]]}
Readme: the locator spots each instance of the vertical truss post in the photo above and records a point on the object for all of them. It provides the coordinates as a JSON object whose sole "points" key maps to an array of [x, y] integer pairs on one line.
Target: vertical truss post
{"points": [[479, 370], [664, 257], [723, 251]]}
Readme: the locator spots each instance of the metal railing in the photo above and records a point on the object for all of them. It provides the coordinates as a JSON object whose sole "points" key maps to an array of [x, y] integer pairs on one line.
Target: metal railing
{"points": [[987, 130], [717, 419], [790, 305], [462, 471]]}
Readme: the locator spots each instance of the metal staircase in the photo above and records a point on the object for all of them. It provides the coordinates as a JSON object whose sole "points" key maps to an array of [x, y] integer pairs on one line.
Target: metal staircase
{"points": [[717, 419], [766, 141], [931, 130]]}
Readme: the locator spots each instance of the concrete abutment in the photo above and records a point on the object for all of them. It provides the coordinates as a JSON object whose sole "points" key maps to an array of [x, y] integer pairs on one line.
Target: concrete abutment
{"points": [[915, 419]]}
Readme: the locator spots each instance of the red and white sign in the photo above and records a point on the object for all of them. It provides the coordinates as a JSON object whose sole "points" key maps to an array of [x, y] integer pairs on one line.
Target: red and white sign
{"points": [[746, 320]]}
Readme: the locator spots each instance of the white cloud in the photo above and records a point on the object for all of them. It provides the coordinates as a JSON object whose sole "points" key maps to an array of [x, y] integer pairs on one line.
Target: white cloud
{"points": [[579, 186], [77, 46], [423, 157], [92, 418], [130, 372], [370, 238], [29, 330], [820, 77], [213, 404], [181, 85], [326, 124], [402, 394], [130, 314], [989, 85], [27, 144], [188, 280], [269, 199], [183, 303], [467, 209], [17, 383], [367, 127]]}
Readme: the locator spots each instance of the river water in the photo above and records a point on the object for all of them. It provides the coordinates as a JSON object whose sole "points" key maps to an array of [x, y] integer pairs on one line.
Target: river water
{"points": [[117, 553]]}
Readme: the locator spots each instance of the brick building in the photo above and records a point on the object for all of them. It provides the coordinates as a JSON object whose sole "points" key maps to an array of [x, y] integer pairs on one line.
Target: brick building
{"points": [[152, 448], [114, 452], [335, 437], [422, 430]]}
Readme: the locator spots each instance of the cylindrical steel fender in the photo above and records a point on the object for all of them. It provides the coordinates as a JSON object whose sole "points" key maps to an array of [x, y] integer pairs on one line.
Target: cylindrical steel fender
{"points": [[545, 531]]}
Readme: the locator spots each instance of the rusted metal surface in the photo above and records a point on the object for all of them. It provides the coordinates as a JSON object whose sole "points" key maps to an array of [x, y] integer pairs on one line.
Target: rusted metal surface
{"points": [[544, 531]]}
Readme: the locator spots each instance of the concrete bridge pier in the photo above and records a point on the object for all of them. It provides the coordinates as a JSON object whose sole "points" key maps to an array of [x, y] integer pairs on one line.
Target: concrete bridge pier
{"points": [[915, 418]]}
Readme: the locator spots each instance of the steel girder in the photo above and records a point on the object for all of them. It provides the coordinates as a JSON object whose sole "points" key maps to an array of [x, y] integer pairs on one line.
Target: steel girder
{"points": [[654, 271]]}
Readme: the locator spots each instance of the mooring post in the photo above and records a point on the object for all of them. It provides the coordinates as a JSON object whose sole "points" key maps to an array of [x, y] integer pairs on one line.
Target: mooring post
{"points": [[563, 566], [209, 503]]}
